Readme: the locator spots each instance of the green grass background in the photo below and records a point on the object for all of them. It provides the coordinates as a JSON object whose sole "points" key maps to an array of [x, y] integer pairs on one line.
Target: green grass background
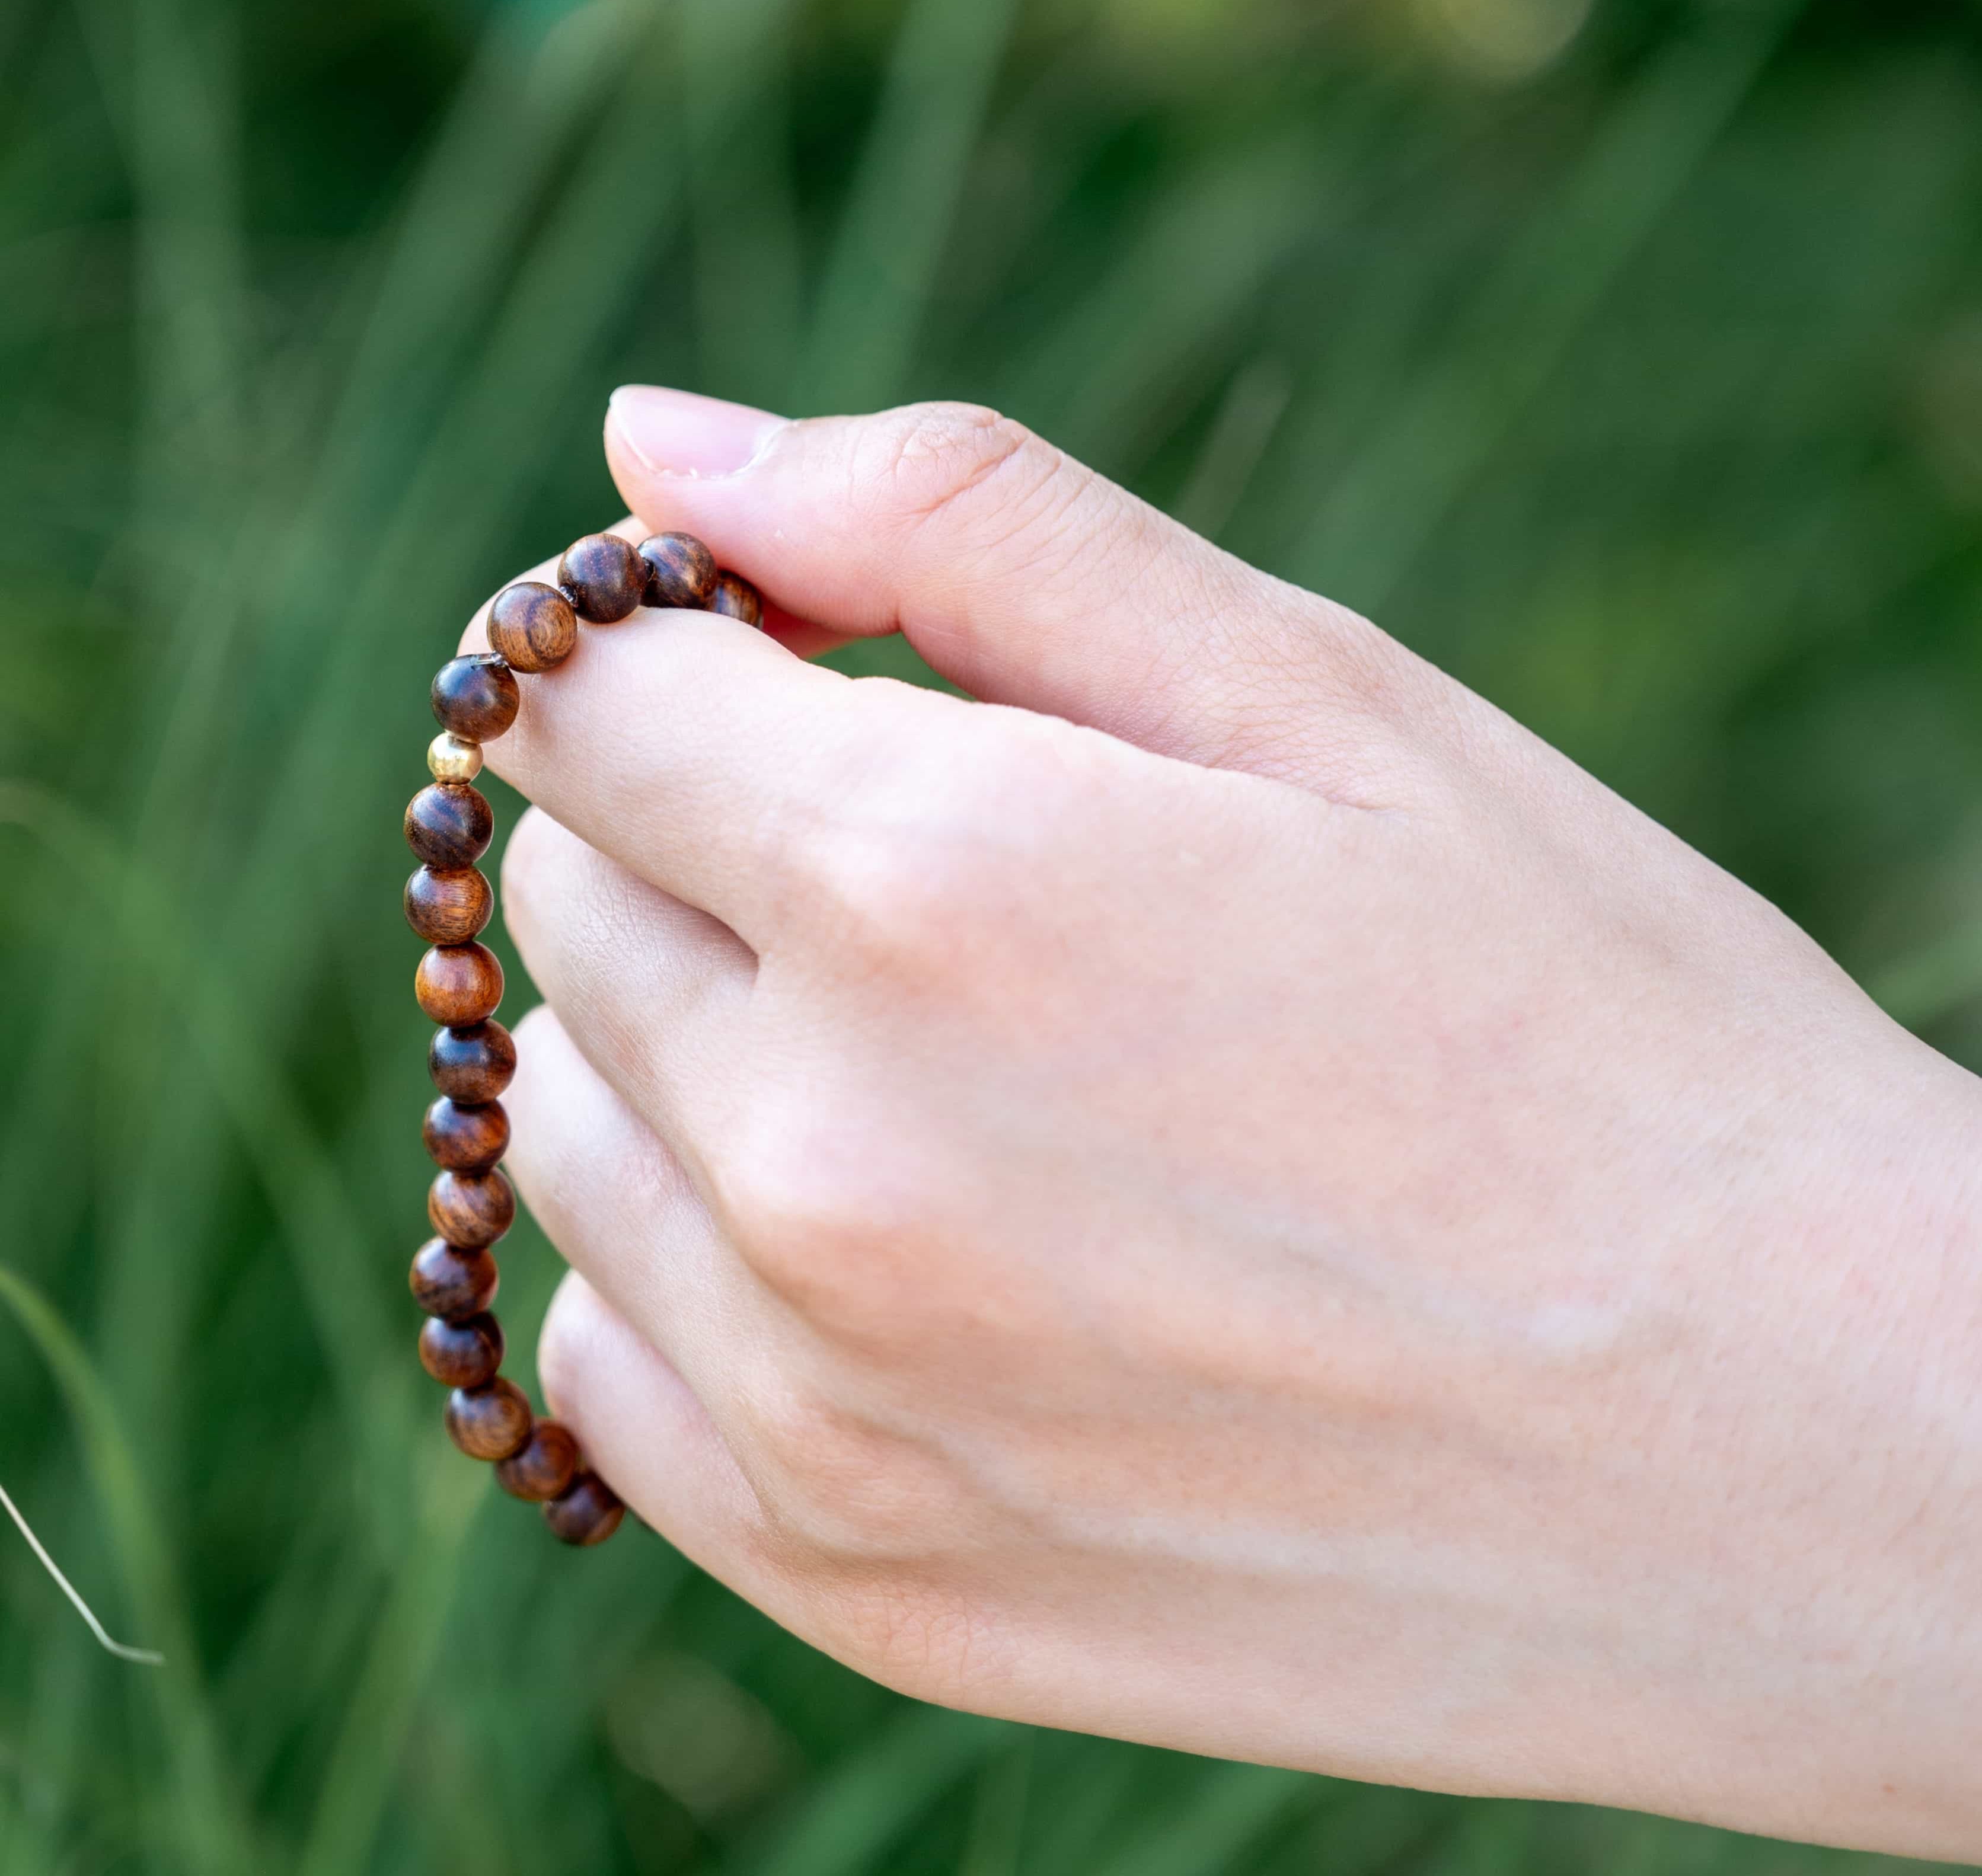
{"points": [[1640, 387]]}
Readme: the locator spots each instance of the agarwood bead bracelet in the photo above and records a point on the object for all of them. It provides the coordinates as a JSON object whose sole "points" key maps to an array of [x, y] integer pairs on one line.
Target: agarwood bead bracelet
{"points": [[532, 627]]}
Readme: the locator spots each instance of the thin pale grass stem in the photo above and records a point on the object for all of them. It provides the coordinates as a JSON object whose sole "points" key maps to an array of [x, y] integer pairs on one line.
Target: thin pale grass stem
{"points": [[145, 1658]]}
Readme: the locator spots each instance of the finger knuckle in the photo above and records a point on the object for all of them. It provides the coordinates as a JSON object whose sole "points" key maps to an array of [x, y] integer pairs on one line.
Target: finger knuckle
{"points": [[928, 461]]}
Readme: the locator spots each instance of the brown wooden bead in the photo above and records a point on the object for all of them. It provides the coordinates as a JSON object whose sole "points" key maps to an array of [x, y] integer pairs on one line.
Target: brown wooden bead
{"points": [[449, 825], [736, 597], [588, 1513], [532, 626], [681, 571], [470, 1209], [459, 984], [545, 1468], [474, 1064], [449, 908], [464, 1138], [475, 697], [489, 1422], [461, 1354], [451, 1283], [603, 576]]}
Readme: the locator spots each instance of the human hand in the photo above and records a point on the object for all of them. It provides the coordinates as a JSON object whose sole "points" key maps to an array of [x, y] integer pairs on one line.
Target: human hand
{"points": [[1238, 1200]]}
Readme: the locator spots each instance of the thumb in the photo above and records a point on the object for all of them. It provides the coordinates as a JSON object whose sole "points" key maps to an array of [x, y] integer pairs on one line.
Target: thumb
{"points": [[1018, 574]]}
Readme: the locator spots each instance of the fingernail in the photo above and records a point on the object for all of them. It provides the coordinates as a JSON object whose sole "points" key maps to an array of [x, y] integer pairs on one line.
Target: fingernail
{"points": [[678, 433]]}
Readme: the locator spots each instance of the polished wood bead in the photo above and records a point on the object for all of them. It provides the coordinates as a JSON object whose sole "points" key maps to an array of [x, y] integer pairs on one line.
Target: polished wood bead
{"points": [[465, 1138], [588, 1513], [474, 1064], [453, 758], [448, 1282], [449, 825], [461, 1354], [475, 697], [532, 626], [603, 576], [449, 908], [470, 1209], [490, 1421], [681, 571], [459, 984], [544, 1469], [736, 598]]}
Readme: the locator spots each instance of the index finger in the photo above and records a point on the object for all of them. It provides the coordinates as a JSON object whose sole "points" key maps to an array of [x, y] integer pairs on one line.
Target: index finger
{"points": [[697, 751]]}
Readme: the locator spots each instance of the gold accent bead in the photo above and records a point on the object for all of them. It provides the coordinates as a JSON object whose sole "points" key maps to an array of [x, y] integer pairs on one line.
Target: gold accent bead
{"points": [[454, 759]]}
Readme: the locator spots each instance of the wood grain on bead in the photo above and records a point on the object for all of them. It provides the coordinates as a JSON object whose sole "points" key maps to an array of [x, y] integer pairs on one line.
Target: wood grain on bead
{"points": [[736, 597], [604, 577], [459, 984], [544, 1469], [681, 571], [470, 1209], [449, 908], [449, 825], [452, 1283], [532, 626], [465, 1138], [489, 1422], [473, 1064], [588, 1513], [453, 758], [475, 697], [468, 1353]]}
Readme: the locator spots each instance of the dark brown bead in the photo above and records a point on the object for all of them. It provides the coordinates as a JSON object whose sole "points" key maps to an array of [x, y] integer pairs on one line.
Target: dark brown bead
{"points": [[449, 908], [489, 1422], [588, 1513], [736, 597], [532, 626], [459, 984], [475, 698], [470, 1209], [681, 571], [473, 1064], [464, 1138], [603, 576], [545, 1468], [449, 825], [451, 1283], [461, 1354]]}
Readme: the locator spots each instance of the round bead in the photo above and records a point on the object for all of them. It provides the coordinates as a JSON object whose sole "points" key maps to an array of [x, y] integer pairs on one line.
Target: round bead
{"points": [[461, 1354], [451, 1283], [545, 1468], [475, 697], [532, 626], [604, 577], [458, 984], [470, 1209], [474, 1064], [453, 758], [736, 597], [465, 1138], [588, 1513], [681, 571], [449, 908], [449, 825], [488, 1422]]}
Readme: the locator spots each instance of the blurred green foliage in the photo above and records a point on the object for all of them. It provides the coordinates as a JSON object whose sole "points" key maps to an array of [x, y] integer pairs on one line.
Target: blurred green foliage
{"points": [[1626, 360]]}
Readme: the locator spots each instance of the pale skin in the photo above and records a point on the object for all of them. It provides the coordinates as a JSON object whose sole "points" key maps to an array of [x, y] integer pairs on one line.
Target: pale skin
{"points": [[1225, 1194]]}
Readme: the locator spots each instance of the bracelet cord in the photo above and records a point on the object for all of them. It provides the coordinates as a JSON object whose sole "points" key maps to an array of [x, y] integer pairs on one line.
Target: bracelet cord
{"points": [[533, 627]]}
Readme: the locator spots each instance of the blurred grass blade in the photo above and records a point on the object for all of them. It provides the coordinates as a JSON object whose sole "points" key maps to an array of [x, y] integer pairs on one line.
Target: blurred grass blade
{"points": [[1230, 1809], [1441, 433], [903, 203], [1932, 983], [215, 1832], [148, 1658]]}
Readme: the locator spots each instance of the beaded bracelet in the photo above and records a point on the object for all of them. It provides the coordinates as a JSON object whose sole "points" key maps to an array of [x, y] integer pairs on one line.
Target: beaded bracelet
{"points": [[531, 628]]}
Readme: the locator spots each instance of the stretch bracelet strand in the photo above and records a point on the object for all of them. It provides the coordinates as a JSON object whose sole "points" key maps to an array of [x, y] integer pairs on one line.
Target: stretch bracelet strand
{"points": [[532, 627]]}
